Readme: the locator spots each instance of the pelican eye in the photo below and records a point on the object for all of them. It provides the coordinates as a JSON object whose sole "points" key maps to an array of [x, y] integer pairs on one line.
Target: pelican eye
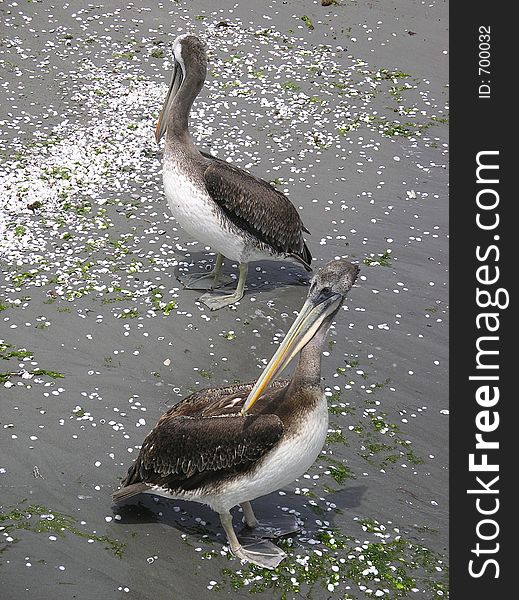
{"points": [[324, 294]]}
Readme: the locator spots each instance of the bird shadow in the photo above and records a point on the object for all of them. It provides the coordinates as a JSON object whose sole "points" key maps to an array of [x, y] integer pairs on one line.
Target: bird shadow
{"points": [[308, 509], [182, 515], [348, 497], [262, 276], [201, 521]]}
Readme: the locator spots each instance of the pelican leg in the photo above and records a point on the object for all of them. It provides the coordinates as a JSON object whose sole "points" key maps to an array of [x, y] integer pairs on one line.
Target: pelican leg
{"points": [[216, 301], [208, 280], [248, 515], [278, 527], [259, 552]]}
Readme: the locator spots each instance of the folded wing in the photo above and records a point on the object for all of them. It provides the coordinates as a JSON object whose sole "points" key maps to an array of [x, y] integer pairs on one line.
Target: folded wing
{"points": [[258, 208], [185, 453]]}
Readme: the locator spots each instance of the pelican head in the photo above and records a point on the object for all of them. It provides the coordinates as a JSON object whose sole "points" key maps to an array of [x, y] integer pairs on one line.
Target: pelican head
{"points": [[189, 61], [328, 290]]}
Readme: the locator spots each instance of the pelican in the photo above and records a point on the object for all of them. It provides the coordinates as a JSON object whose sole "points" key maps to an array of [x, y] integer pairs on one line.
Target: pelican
{"points": [[227, 446], [241, 216]]}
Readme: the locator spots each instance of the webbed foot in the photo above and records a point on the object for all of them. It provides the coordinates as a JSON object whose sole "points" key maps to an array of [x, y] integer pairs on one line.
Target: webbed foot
{"points": [[217, 301], [259, 552], [205, 281]]}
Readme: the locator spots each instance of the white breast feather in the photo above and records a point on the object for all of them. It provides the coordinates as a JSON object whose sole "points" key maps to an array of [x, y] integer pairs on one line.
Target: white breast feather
{"points": [[288, 461], [196, 213]]}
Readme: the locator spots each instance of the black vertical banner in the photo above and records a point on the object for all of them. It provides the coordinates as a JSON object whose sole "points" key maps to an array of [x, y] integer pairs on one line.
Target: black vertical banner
{"points": [[483, 263]]}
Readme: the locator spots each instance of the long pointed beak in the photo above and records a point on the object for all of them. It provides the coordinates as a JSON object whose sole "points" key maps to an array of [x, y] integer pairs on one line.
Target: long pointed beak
{"points": [[174, 86], [308, 321]]}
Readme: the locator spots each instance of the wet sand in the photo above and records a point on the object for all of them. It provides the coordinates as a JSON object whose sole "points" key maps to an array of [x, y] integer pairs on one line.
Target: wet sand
{"points": [[346, 111]]}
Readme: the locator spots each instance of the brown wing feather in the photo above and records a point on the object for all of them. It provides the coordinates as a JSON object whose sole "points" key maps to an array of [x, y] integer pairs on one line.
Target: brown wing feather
{"points": [[255, 206], [218, 401], [201, 439], [183, 453]]}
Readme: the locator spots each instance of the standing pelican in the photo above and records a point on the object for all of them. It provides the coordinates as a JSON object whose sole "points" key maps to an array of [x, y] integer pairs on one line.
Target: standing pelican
{"points": [[228, 446], [242, 217]]}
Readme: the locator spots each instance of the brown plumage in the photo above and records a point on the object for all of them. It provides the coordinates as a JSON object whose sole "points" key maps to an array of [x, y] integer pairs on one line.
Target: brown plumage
{"points": [[243, 218], [202, 439], [260, 209], [228, 446]]}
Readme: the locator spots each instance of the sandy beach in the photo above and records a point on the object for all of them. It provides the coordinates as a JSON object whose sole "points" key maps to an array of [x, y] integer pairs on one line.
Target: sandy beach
{"points": [[344, 108]]}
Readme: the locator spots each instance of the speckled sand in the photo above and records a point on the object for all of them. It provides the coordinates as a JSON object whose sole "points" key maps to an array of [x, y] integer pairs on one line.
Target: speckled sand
{"points": [[345, 109]]}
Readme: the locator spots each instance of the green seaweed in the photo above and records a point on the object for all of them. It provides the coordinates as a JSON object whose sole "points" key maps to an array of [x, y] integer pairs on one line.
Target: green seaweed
{"points": [[338, 471], [290, 85], [347, 567], [383, 260], [129, 313], [52, 374], [336, 437], [6, 353], [307, 21], [166, 308], [40, 519], [128, 55]]}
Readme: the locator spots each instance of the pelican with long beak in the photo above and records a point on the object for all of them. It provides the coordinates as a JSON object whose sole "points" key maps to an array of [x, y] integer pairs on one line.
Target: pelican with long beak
{"points": [[240, 216], [228, 446]]}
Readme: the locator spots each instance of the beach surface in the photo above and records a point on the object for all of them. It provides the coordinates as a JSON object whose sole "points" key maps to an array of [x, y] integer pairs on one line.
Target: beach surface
{"points": [[345, 109]]}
